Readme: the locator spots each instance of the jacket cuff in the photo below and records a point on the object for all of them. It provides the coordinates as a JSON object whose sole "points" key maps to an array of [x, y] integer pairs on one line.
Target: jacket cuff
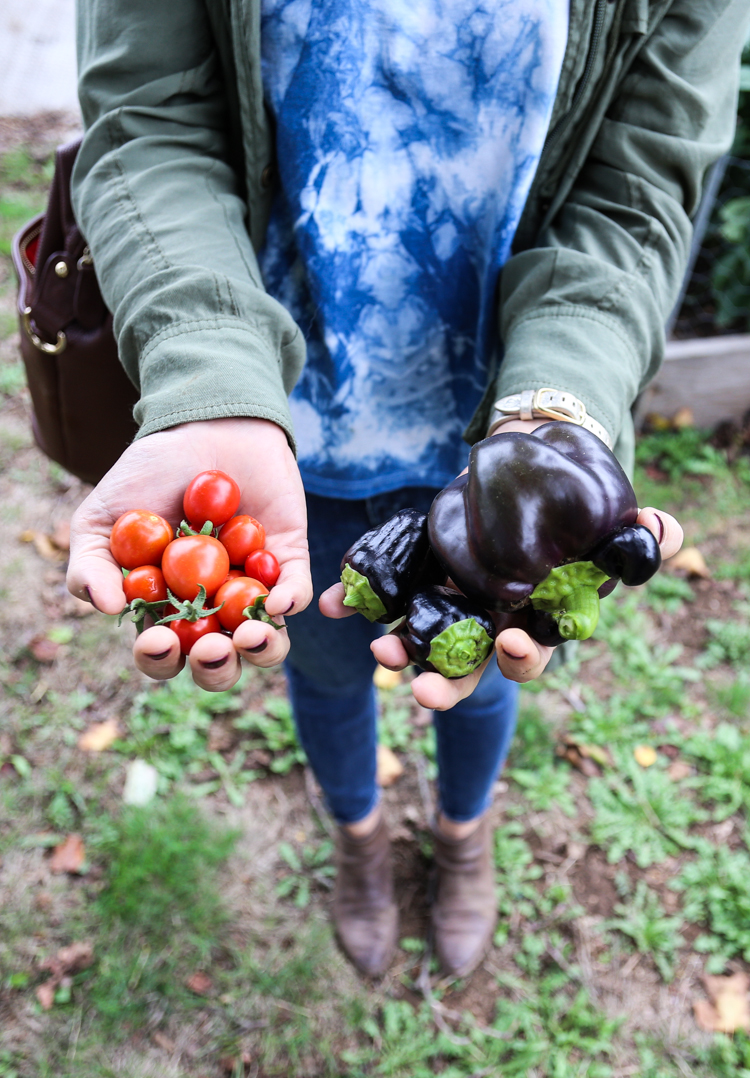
{"points": [[579, 350], [184, 380]]}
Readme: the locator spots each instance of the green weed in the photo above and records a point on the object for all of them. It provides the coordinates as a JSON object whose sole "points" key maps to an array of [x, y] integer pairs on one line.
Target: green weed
{"points": [[640, 812], [723, 755], [668, 593], [729, 643], [643, 920], [309, 866], [716, 894], [278, 734]]}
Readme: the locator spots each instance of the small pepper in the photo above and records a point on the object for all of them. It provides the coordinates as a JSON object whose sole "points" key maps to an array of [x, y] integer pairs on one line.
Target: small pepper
{"points": [[446, 633], [387, 564], [542, 519]]}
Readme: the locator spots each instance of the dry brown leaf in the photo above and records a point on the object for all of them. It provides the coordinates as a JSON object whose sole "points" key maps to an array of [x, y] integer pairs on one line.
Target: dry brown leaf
{"points": [[45, 993], [386, 679], [588, 759], [200, 983], [69, 856], [43, 649], [44, 545], [729, 1009], [99, 736], [161, 1040], [679, 770], [390, 768], [689, 560], [682, 418], [645, 755], [70, 959]]}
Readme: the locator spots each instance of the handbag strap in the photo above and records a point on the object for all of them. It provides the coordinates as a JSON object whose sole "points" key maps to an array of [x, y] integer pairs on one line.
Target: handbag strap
{"points": [[60, 231]]}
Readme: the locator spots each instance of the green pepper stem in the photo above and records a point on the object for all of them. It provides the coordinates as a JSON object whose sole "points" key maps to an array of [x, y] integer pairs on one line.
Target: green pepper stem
{"points": [[570, 593], [359, 594], [580, 614], [460, 649]]}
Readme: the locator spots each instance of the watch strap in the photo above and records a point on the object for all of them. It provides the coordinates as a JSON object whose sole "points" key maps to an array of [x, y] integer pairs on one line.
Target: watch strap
{"points": [[545, 404]]}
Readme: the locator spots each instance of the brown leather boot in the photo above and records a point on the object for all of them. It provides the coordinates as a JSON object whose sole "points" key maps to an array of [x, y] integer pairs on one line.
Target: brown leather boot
{"points": [[464, 912], [365, 914]]}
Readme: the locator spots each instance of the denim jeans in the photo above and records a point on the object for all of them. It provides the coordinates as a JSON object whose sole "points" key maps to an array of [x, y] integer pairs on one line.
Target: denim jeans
{"points": [[330, 669]]}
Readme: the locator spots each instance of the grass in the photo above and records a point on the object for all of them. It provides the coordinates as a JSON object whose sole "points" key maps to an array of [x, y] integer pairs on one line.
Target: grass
{"points": [[228, 871]]}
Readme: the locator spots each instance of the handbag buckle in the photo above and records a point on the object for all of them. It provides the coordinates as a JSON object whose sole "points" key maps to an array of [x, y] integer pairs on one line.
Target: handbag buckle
{"points": [[36, 340]]}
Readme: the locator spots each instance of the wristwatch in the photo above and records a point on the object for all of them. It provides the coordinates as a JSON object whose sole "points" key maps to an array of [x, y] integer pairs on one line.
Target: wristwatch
{"points": [[545, 404]]}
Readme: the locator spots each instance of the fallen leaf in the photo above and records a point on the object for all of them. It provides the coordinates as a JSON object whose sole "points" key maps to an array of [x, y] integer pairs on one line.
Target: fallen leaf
{"points": [[45, 993], [99, 736], [389, 767], [229, 1063], [728, 1010], [161, 1040], [645, 755], [200, 983], [689, 560], [43, 649], [44, 545], [588, 759], [69, 856], [70, 959], [141, 782], [683, 418], [679, 770], [386, 679]]}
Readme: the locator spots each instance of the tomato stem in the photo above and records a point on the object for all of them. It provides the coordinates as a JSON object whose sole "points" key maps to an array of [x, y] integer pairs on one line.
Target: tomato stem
{"points": [[189, 609], [257, 612]]}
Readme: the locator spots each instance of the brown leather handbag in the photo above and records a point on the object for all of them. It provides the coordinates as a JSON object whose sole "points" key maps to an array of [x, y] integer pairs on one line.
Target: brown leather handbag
{"points": [[82, 400]]}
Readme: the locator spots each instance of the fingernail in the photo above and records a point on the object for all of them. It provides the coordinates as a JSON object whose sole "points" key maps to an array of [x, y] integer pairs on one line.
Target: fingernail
{"points": [[288, 609], [161, 655], [661, 527], [214, 664], [257, 648], [511, 655], [91, 598]]}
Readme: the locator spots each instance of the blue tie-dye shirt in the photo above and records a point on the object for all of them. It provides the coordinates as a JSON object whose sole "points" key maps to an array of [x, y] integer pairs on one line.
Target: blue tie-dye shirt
{"points": [[408, 133]]}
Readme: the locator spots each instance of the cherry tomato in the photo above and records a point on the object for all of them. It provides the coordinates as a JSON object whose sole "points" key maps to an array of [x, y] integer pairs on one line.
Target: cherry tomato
{"points": [[193, 560], [262, 565], [213, 496], [190, 631], [236, 595], [139, 538], [146, 582], [241, 535], [234, 573]]}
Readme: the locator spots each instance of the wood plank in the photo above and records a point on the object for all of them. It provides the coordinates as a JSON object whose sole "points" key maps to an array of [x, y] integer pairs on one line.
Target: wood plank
{"points": [[709, 375]]}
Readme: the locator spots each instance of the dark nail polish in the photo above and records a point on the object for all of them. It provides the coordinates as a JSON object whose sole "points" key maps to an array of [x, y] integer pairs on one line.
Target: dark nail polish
{"points": [[512, 656], [289, 609], [91, 598], [214, 664], [255, 650], [661, 527], [161, 655]]}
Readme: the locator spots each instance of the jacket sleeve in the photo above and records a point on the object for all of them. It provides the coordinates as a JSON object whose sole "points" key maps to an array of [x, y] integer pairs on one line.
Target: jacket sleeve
{"points": [[585, 309], [161, 211]]}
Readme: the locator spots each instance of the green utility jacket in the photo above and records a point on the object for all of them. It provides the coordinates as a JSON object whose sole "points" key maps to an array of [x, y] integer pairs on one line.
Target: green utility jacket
{"points": [[173, 185]]}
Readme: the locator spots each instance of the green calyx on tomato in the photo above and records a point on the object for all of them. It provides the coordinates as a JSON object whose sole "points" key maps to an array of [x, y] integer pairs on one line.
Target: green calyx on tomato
{"points": [[140, 608], [187, 529], [189, 609], [257, 612]]}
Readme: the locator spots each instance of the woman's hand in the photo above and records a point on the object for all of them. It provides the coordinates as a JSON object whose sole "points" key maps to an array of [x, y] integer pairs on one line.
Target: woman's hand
{"points": [[152, 474]]}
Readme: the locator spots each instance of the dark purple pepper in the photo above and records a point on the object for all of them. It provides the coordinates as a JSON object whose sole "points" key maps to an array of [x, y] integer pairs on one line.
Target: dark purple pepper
{"points": [[446, 633], [632, 554], [529, 503], [387, 564]]}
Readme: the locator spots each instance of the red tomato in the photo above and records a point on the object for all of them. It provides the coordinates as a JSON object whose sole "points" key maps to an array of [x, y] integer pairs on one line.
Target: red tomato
{"points": [[262, 565], [146, 582], [193, 560], [190, 631], [236, 595], [213, 496], [139, 538], [241, 535]]}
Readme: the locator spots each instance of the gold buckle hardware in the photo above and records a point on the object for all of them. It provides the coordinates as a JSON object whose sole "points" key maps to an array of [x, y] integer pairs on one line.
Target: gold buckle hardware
{"points": [[36, 340]]}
